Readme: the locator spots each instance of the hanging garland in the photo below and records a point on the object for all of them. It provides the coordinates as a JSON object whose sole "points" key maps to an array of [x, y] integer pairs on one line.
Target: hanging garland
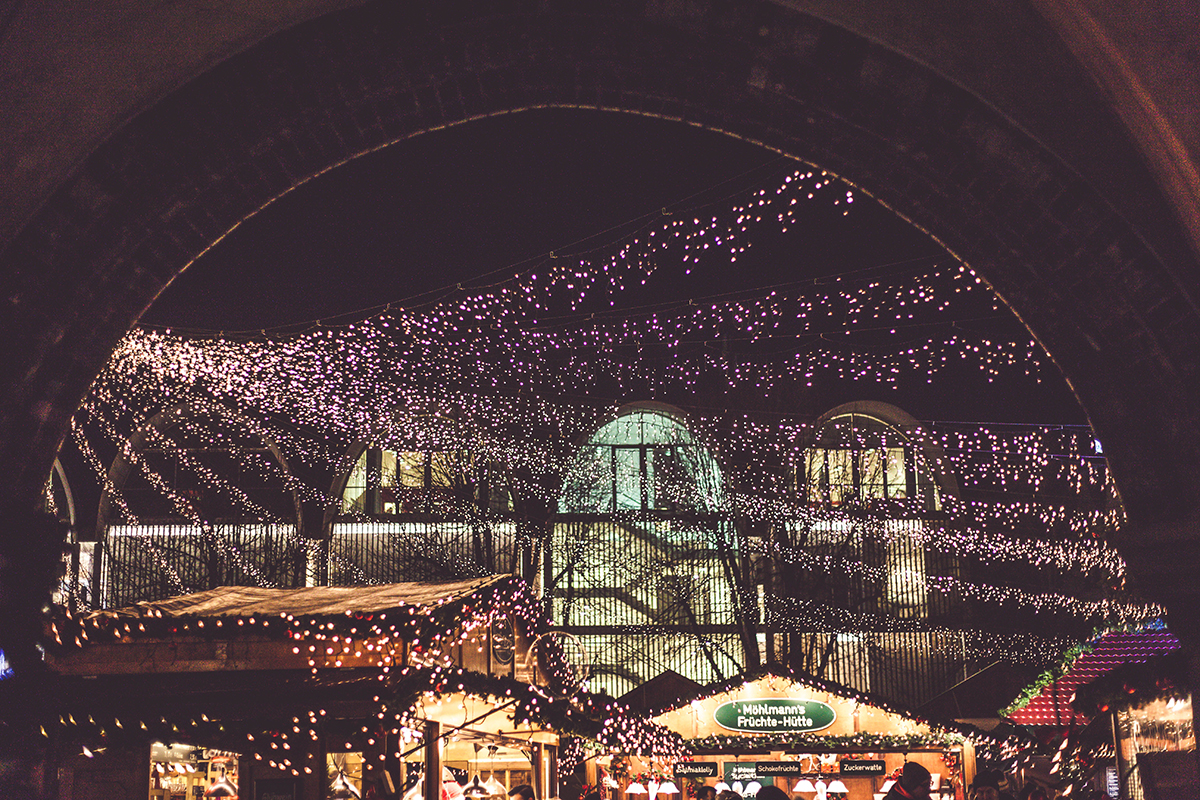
{"points": [[1046, 678], [816, 742]]}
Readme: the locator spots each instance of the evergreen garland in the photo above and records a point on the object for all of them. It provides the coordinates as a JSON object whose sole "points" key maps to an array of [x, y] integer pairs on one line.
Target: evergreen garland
{"points": [[808, 741]]}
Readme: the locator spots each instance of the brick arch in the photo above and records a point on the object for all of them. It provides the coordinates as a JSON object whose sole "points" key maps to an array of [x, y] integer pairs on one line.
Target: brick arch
{"points": [[180, 175]]}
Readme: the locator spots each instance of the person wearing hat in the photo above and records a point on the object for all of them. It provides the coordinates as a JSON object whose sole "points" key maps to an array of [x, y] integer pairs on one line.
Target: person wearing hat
{"points": [[987, 787], [522, 792], [912, 785]]}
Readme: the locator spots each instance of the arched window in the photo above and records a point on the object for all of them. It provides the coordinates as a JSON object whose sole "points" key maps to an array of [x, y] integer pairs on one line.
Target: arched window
{"points": [[415, 515], [391, 482], [875, 485], [868, 456], [644, 460], [865, 453]]}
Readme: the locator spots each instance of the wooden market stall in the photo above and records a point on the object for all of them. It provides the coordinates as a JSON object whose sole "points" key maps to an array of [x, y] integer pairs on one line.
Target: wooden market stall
{"points": [[1117, 716], [812, 739], [314, 693]]}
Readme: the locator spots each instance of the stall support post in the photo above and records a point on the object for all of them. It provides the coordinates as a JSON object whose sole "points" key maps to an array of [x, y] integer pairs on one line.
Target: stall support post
{"points": [[537, 759], [433, 760], [551, 752]]}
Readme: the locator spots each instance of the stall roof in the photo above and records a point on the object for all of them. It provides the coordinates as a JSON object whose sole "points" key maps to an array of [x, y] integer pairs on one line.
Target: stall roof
{"points": [[316, 601], [784, 673], [778, 671], [667, 684], [1052, 706]]}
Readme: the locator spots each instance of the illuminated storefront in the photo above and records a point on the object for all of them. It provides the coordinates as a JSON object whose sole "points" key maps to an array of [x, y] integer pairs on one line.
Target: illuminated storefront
{"points": [[812, 740], [180, 772]]}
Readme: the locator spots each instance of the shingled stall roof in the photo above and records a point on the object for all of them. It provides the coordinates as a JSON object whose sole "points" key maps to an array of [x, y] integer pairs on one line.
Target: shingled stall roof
{"points": [[240, 668], [790, 679], [304, 628], [315, 601], [1052, 704]]}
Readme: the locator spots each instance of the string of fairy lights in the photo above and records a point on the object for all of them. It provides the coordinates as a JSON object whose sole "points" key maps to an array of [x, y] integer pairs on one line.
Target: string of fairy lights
{"points": [[508, 372], [409, 652], [516, 376], [1102, 611]]}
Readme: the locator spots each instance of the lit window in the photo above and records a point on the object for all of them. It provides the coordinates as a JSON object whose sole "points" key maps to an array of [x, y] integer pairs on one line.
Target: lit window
{"points": [[858, 458], [837, 475], [644, 540], [645, 460], [412, 482]]}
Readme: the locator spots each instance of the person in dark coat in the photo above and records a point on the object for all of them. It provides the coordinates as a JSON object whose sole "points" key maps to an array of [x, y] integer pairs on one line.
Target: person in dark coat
{"points": [[1033, 792], [912, 785], [772, 792]]}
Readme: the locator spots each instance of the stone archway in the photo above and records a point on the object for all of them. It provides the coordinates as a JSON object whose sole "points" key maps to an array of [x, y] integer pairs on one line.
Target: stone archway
{"points": [[1088, 259]]}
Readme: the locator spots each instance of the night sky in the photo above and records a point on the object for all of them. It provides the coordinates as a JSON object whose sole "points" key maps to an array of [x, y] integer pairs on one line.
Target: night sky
{"points": [[479, 202]]}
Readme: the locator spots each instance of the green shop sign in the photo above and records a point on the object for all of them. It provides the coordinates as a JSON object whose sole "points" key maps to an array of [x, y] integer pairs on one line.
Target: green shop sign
{"points": [[744, 771], [763, 771], [775, 715]]}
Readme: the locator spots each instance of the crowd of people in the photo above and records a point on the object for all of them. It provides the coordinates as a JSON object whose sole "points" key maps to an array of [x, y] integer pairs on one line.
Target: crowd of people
{"points": [[914, 783]]}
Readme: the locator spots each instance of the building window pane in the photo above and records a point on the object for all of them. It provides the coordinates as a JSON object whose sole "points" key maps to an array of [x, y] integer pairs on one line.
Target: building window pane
{"points": [[652, 464], [354, 496], [412, 481], [870, 474], [409, 469], [897, 475], [839, 466]]}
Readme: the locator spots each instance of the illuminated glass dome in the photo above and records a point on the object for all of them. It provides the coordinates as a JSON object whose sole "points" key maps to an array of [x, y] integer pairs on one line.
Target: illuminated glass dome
{"points": [[641, 552], [644, 460]]}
